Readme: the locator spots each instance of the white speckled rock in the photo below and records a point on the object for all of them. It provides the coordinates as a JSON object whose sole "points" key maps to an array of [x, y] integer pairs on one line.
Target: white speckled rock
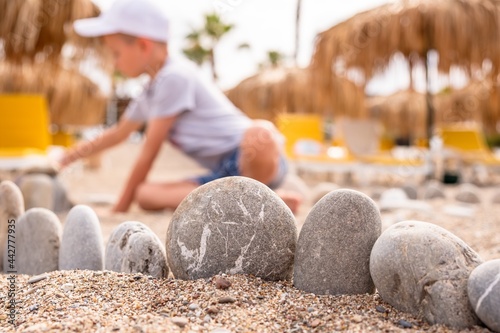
{"points": [[38, 235], [483, 289], [82, 246], [423, 269], [468, 193], [38, 191], [233, 225], [11, 208], [333, 250], [133, 248]]}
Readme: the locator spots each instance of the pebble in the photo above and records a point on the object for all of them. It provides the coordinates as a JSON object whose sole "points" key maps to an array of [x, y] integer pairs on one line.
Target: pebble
{"points": [[37, 190], [221, 283], [133, 248], [82, 246], [405, 324], [11, 208], [207, 319], [68, 287], [226, 299], [380, 309], [315, 323], [468, 193], [436, 284], [38, 278], [180, 321], [357, 318], [233, 225], [434, 190], [411, 191], [334, 245], [193, 306], [220, 330], [483, 289], [213, 310], [38, 239]]}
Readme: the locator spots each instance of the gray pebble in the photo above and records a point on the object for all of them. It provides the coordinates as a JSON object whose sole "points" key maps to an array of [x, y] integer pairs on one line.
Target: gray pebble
{"points": [[411, 191], [422, 269], [468, 193], [38, 238], [82, 246], [233, 225], [134, 248], [483, 289], [37, 191], [434, 190], [11, 208], [334, 245]]}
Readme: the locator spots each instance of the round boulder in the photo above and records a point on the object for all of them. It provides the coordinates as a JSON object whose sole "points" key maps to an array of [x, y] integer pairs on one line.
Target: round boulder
{"points": [[82, 246], [422, 269], [333, 250], [134, 248], [233, 225], [484, 293]]}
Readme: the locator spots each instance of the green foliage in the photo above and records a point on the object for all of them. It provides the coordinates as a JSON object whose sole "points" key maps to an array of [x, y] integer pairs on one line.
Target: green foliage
{"points": [[203, 41]]}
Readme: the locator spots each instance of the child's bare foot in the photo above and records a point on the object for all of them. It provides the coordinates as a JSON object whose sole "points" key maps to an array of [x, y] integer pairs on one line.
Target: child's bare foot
{"points": [[292, 199]]}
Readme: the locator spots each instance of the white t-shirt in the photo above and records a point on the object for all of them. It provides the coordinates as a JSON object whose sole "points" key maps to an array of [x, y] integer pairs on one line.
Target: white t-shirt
{"points": [[208, 125]]}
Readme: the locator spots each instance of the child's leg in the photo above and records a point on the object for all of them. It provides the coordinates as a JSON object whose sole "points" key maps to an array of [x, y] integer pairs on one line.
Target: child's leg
{"points": [[260, 159], [158, 196]]}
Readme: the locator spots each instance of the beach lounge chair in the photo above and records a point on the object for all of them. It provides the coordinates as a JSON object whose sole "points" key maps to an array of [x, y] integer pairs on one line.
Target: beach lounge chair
{"points": [[24, 131], [305, 146], [468, 143], [363, 139]]}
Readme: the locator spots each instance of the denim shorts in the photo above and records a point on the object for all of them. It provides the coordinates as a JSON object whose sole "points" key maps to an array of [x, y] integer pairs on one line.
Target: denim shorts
{"points": [[229, 167]]}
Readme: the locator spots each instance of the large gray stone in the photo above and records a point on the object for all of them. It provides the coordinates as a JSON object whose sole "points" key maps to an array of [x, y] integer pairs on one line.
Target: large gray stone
{"points": [[233, 225], [333, 250], [82, 246], [483, 289], [422, 269], [11, 208], [38, 235], [38, 190], [468, 193], [133, 248]]}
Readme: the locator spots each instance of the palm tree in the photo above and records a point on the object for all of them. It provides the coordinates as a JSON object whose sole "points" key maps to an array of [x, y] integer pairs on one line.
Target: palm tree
{"points": [[203, 41], [274, 59], [297, 31]]}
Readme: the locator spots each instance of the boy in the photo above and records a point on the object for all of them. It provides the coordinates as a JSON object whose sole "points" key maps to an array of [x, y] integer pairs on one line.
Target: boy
{"points": [[179, 106]]}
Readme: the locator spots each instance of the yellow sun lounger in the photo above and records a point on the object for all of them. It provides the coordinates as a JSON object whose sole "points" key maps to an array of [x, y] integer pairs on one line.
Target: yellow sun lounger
{"points": [[24, 131], [468, 143], [305, 148]]}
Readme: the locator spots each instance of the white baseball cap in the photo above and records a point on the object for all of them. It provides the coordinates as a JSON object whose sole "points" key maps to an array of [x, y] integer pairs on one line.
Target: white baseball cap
{"points": [[139, 18]]}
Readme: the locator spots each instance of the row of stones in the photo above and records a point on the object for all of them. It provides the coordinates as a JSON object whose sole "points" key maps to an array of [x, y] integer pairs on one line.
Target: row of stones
{"points": [[238, 226]]}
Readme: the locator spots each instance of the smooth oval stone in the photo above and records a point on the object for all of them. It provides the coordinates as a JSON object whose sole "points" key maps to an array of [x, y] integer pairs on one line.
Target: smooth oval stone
{"points": [[422, 269], [37, 190], [61, 202], [468, 193], [411, 191], [434, 190], [38, 238], [333, 250], [233, 225], [82, 246], [11, 208], [483, 289], [134, 248]]}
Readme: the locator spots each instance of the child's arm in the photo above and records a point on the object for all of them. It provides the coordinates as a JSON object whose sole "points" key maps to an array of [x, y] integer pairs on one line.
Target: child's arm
{"points": [[156, 132], [109, 138]]}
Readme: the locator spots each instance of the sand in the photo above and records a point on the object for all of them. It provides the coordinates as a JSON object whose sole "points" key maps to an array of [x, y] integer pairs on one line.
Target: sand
{"points": [[83, 301]]}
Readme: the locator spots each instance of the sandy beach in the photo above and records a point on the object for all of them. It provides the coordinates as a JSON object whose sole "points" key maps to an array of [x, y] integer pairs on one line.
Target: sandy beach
{"points": [[85, 301]]}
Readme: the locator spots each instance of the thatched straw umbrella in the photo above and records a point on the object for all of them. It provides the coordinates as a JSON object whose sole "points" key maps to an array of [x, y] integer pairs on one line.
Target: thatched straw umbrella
{"points": [[403, 113], [42, 54], [464, 34], [291, 90]]}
